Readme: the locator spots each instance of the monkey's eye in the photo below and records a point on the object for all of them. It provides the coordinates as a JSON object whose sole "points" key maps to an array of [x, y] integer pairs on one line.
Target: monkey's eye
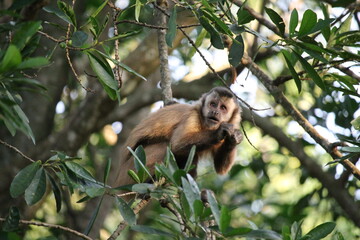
{"points": [[223, 107], [213, 104]]}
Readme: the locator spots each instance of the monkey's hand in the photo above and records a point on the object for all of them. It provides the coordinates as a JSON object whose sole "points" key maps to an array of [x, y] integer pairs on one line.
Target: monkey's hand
{"points": [[236, 137], [231, 135]]}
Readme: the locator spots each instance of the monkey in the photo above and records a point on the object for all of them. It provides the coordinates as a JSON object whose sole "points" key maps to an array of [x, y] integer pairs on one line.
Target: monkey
{"points": [[211, 124]]}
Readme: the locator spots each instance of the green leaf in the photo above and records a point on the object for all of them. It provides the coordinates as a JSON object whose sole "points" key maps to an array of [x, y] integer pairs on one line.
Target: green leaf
{"points": [[294, 20], [307, 23], [225, 219], [351, 149], [140, 154], [285, 233], [311, 71], [138, 6], [177, 175], [143, 188], [320, 231], [190, 159], [345, 25], [140, 163], [79, 38], [94, 191], [68, 11], [236, 51], [190, 194], [37, 188], [28, 81], [213, 206], [93, 217], [64, 175], [215, 38], [134, 176], [321, 24], [199, 40], [99, 9], [11, 223], [165, 172], [127, 68], [23, 35], [185, 206], [356, 123], [23, 179], [219, 24], [294, 74], [105, 75], [296, 230], [58, 13], [150, 230], [244, 16], [263, 234], [126, 212], [172, 27], [198, 208], [193, 185], [170, 161], [11, 59], [232, 232], [103, 71], [57, 192], [79, 171], [21, 118], [34, 62], [107, 170], [276, 19]]}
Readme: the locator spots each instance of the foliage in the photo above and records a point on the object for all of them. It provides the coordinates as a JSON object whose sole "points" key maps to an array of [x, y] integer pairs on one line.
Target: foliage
{"points": [[15, 60], [197, 216]]}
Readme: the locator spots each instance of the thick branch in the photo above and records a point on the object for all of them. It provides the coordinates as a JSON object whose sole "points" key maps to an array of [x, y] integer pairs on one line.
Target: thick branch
{"points": [[163, 54], [335, 188], [297, 116]]}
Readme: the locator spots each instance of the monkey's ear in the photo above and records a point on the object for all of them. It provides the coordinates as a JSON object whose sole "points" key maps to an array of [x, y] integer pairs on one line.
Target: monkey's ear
{"points": [[236, 115]]}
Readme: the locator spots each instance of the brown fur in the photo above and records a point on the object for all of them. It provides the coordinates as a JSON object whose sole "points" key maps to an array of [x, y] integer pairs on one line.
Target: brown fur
{"points": [[181, 126]]}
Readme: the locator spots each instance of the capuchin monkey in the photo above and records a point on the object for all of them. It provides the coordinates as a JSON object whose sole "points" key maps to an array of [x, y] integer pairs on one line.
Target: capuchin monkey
{"points": [[211, 124]]}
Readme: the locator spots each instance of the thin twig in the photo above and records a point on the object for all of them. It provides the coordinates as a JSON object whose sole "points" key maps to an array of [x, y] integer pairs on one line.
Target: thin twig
{"points": [[51, 37], [117, 58], [68, 56], [142, 24], [16, 150], [48, 225]]}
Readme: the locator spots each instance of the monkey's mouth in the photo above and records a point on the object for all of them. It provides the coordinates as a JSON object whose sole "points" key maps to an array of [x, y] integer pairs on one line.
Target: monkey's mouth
{"points": [[213, 119]]}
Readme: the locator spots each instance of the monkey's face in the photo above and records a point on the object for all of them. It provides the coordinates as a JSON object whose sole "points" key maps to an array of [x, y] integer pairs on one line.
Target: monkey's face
{"points": [[217, 110]]}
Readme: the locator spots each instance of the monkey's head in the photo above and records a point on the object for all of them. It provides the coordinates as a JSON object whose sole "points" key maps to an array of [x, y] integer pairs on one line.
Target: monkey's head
{"points": [[219, 106]]}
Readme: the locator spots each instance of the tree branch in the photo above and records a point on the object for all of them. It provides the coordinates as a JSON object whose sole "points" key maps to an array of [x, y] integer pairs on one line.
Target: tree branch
{"points": [[335, 188], [48, 225], [297, 116], [165, 82], [16, 150]]}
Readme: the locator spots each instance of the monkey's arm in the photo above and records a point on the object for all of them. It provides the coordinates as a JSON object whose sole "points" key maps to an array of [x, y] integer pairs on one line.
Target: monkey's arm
{"points": [[224, 155], [189, 133]]}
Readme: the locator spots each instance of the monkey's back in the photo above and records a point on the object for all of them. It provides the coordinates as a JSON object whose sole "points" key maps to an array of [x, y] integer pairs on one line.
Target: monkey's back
{"points": [[159, 125]]}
